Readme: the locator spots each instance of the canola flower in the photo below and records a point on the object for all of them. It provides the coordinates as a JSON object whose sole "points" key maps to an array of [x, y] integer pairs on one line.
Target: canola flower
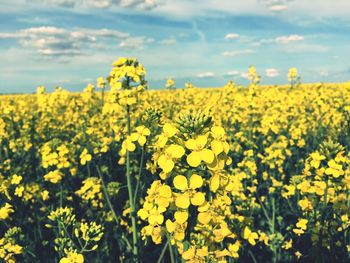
{"points": [[121, 173], [5, 211]]}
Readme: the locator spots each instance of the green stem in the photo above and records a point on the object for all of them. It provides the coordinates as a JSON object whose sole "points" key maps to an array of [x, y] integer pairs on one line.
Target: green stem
{"points": [[130, 191], [275, 257], [264, 210], [61, 197], [109, 203], [172, 258], [252, 256], [163, 252], [139, 174]]}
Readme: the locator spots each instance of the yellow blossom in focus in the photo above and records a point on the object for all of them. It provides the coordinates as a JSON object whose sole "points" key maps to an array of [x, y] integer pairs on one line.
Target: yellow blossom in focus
{"points": [[170, 154], [140, 135], [199, 152], [188, 188]]}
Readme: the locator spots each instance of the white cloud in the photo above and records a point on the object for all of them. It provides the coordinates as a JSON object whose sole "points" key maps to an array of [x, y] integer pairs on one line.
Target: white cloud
{"points": [[277, 5], [137, 4], [289, 39], [168, 41], [238, 53], [135, 42], [233, 73], [244, 75], [278, 8], [232, 36], [302, 48], [106, 33], [297, 9], [206, 75], [60, 42], [271, 72]]}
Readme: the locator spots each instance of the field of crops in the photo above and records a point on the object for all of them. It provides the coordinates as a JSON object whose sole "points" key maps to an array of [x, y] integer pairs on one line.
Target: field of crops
{"points": [[119, 173]]}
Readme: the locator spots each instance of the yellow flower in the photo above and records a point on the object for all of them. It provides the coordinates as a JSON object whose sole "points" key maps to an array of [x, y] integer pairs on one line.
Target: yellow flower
{"points": [[298, 254], [119, 62], [304, 186], [287, 244], [5, 211], [301, 226], [290, 191], [316, 159], [19, 191], [305, 204], [140, 135], [221, 232], [45, 195], [85, 157], [181, 216], [73, 257], [155, 216], [53, 176], [189, 193], [170, 83], [168, 132], [320, 187], [176, 229], [292, 74], [189, 254], [101, 83], [302, 223], [334, 169], [250, 236], [263, 238], [154, 231], [16, 179], [199, 152], [128, 145], [166, 160], [219, 144], [234, 248]]}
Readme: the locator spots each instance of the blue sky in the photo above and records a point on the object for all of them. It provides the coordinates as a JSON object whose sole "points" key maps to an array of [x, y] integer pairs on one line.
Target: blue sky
{"points": [[207, 42]]}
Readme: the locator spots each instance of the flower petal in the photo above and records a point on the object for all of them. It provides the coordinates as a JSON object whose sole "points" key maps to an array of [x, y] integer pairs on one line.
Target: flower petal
{"points": [[181, 217], [166, 164], [198, 199], [196, 181], [207, 155], [215, 182], [204, 218], [201, 141], [217, 147], [176, 151], [180, 182], [194, 159], [190, 144], [142, 140], [183, 201]]}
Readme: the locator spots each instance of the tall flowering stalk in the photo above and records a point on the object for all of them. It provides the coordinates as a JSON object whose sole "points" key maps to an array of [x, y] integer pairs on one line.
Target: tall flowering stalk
{"points": [[293, 77], [127, 80]]}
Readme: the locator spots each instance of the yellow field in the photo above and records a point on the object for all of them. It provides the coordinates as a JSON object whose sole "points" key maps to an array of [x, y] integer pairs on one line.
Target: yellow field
{"points": [[231, 174]]}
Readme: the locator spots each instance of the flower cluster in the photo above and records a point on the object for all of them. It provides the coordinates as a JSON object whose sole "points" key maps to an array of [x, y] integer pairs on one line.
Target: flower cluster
{"points": [[73, 238]]}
